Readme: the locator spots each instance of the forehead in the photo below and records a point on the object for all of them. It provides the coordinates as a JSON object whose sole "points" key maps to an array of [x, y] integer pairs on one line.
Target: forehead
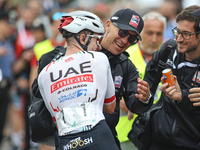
{"points": [[153, 24], [186, 26]]}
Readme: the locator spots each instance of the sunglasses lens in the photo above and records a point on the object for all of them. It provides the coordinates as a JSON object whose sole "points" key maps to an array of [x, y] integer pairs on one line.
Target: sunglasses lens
{"points": [[132, 39], [100, 39], [123, 33]]}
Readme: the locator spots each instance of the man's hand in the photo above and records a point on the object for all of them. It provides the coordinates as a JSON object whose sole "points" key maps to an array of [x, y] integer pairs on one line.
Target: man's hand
{"points": [[143, 90], [195, 96], [173, 92], [130, 115]]}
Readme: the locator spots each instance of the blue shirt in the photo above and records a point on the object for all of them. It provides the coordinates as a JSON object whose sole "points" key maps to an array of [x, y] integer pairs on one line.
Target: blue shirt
{"points": [[7, 59]]}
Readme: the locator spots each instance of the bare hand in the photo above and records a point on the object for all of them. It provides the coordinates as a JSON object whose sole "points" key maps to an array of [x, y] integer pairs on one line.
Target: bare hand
{"points": [[143, 90], [195, 96], [173, 92], [130, 115]]}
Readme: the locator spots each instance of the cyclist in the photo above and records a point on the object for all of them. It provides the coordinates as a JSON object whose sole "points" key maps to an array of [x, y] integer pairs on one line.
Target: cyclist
{"points": [[78, 87]]}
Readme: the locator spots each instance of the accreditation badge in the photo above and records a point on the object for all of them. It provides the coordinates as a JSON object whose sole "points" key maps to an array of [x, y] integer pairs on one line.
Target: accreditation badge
{"points": [[118, 81], [196, 77]]}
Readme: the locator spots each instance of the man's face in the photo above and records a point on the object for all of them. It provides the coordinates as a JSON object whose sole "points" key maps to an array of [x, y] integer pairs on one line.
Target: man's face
{"points": [[152, 36], [188, 46], [112, 41]]}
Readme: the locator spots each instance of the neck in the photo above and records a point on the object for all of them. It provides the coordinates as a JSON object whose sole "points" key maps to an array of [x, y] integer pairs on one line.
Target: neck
{"points": [[189, 56], [72, 50], [147, 56]]}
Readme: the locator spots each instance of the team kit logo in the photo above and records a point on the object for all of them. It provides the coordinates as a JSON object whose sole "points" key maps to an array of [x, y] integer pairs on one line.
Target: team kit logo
{"points": [[73, 95], [71, 80], [78, 142], [72, 87], [61, 79]]}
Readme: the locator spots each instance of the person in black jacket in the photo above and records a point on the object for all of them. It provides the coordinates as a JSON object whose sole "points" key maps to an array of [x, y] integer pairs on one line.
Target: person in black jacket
{"points": [[122, 30], [177, 124], [195, 92]]}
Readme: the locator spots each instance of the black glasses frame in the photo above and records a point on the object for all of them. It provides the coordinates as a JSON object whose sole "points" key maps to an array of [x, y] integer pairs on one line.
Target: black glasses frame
{"points": [[175, 32]]}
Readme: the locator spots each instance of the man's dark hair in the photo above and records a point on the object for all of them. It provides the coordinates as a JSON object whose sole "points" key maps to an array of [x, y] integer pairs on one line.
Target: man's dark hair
{"points": [[186, 15]]}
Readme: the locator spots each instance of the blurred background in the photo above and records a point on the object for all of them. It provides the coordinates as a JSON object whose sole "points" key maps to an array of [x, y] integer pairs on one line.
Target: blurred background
{"points": [[28, 29]]}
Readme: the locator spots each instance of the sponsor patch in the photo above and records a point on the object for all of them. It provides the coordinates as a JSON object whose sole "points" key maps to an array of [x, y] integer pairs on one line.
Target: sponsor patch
{"points": [[78, 142], [135, 20], [69, 59], [72, 87], [71, 80], [72, 95]]}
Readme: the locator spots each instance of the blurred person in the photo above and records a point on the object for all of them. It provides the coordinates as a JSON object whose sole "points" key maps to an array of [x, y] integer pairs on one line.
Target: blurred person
{"points": [[24, 43], [30, 31], [6, 62], [176, 125], [170, 9], [48, 44], [50, 6], [140, 54], [36, 9], [152, 38], [101, 10], [81, 31]]}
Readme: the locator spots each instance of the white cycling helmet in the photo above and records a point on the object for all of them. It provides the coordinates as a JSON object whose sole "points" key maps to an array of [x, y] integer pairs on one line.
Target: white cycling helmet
{"points": [[77, 21]]}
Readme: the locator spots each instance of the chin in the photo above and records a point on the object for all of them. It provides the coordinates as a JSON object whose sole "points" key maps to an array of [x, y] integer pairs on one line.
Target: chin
{"points": [[181, 50]]}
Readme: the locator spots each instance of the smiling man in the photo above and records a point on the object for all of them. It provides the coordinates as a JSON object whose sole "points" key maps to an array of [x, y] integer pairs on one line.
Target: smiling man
{"points": [[123, 30], [176, 125]]}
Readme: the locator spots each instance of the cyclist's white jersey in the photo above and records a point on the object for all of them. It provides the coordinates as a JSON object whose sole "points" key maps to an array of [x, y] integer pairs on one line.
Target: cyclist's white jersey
{"points": [[75, 88]]}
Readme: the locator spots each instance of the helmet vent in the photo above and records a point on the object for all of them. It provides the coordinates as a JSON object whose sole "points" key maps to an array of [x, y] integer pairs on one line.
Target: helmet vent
{"points": [[95, 25], [90, 17]]}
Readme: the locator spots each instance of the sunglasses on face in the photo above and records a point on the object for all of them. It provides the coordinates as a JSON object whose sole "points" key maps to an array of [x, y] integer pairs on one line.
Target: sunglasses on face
{"points": [[99, 38], [123, 33], [131, 39]]}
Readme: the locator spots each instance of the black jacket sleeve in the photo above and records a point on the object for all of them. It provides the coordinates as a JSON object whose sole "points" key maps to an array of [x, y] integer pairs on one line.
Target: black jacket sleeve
{"points": [[132, 102]]}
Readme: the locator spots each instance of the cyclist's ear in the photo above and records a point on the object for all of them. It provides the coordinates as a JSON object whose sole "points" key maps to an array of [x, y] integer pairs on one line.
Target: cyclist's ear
{"points": [[82, 39]]}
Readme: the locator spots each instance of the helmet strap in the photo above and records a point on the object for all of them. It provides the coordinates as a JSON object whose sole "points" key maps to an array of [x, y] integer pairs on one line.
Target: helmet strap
{"points": [[84, 47]]}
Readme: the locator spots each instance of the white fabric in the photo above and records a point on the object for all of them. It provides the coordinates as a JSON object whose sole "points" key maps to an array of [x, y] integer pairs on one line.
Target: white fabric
{"points": [[74, 89]]}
